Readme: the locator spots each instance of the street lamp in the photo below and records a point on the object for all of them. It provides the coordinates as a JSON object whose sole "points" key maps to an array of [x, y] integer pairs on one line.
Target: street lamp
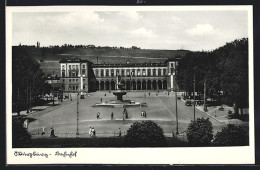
{"points": [[77, 133], [194, 81], [176, 98]]}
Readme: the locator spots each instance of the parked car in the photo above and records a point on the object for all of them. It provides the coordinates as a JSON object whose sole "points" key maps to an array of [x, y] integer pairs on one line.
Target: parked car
{"points": [[188, 103]]}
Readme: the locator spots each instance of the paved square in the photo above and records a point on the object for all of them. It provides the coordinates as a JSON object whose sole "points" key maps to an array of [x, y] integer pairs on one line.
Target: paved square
{"points": [[161, 109]]}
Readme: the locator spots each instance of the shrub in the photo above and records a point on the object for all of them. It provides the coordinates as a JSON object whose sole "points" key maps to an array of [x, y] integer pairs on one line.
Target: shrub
{"points": [[232, 136], [20, 136], [200, 132], [145, 133]]}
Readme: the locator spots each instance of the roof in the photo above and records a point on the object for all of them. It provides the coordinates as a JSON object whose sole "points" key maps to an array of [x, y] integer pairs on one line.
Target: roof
{"points": [[131, 65], [73, 60]]}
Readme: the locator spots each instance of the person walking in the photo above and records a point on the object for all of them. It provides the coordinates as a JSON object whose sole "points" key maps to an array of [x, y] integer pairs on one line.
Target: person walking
{"points": [[119, 133], [90, 132], [98, 115], [112, 116], [93, 133], [52, 135]]}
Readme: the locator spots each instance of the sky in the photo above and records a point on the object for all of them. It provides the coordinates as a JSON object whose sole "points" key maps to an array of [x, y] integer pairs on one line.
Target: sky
{"points": [[189, 30]]}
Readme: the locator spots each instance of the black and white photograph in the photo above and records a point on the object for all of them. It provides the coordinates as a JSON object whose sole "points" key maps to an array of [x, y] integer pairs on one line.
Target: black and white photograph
{"points": [[90, 84]]}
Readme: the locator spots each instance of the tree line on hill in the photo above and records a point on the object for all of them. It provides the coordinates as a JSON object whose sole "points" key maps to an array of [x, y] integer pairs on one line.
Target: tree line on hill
{"points": [[223, 72], [79, 46]]}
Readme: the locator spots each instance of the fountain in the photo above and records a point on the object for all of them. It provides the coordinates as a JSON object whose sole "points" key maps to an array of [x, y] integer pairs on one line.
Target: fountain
{"points": [[119, 102]]}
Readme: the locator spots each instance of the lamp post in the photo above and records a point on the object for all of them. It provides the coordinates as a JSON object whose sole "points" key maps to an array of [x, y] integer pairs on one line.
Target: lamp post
{"points": [[77, 132], [194, 81], [176, 98]]}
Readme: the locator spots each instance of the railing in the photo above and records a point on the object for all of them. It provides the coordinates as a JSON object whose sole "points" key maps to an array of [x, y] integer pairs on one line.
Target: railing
{"points": [[39, 135]]}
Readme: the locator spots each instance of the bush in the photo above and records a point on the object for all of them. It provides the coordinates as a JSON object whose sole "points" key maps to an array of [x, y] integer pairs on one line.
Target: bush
{"points": [[21, 138], [200, 132], [232, 136], [144, 134]]}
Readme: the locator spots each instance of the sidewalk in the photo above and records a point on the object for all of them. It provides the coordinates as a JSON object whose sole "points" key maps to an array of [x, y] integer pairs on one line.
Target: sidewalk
{"points": [[221, 116]]}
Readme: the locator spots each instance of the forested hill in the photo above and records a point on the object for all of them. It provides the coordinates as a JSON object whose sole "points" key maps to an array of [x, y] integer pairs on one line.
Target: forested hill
{"points": [[103, 55]]}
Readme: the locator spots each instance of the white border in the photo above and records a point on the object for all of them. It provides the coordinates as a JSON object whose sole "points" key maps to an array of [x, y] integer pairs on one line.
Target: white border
{"points": [[206, 155]]}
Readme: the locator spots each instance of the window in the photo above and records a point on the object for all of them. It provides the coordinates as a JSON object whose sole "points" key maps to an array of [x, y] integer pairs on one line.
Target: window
{"points": [[96, 72], [107, 73], [73, 74], [149, 72], [117, 72], [154, 72], [171, 64], [172, 70], [77, 67], [128, 72], [159, 72], [83, 71], [123, 72], [73, 67], [102, 73], [143, 72], [69, 67], [83, 66], [76, 79], [112, 73], [84, 79], [63, 73], [138, 72], [133, 72], [164, 72], [63, 67], [69, 80]]}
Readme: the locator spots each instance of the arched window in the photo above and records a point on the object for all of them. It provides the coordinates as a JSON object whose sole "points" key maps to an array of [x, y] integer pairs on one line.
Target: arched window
{"points": [[97, 73]]}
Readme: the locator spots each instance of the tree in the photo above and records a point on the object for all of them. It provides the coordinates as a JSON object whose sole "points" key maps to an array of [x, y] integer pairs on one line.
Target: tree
{"points": [[20, 136], [144, 134], [28, 80], [232, 135], [200, 132]]}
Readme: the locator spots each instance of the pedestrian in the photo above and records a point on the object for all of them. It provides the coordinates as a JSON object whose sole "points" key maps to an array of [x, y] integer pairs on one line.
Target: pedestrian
{"points": [[112, 115], [98, 115], [149, 94], [93, 133], [43, 133], [90, 132], [144, 113], [105, 94], [101, 100], [119, 133], [168, 93], [70, 98], [52, 135], [145, 96]]}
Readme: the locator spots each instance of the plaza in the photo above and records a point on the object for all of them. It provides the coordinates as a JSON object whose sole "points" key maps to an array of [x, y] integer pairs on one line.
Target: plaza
{"points": [[161, 108]]}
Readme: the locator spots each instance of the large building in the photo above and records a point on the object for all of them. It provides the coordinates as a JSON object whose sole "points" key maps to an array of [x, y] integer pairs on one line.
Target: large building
{"points": [[82, 75]]}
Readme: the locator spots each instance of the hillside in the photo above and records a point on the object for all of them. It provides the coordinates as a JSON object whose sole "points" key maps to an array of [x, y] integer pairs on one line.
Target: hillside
{"points": [[49, 57]]}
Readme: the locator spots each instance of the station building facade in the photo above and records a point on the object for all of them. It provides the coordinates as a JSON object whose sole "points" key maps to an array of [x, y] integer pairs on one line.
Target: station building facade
{"points": [[82, 75]]}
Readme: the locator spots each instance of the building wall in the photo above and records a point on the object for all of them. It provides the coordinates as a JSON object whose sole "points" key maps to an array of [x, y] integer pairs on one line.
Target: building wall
{"points": [[155, 76], [70, 76]]}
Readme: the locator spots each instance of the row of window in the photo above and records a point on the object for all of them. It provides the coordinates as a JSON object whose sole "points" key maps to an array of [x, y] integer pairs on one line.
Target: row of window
{"points": [[73, 67], [73, 73], [128, 72], [75, 80]]}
